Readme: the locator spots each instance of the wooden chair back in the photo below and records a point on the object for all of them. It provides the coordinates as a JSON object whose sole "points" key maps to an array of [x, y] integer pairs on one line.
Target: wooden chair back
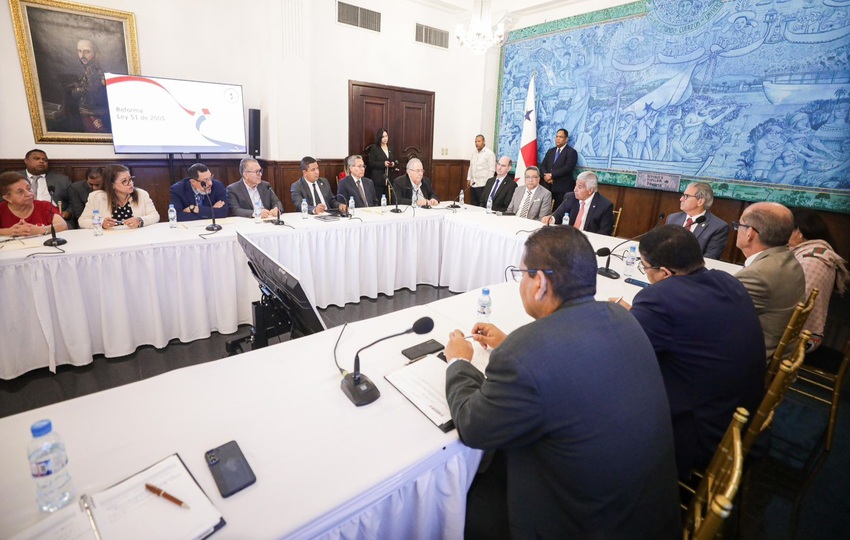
{"points": [[825, 369], [617, 214], [791, 334]]}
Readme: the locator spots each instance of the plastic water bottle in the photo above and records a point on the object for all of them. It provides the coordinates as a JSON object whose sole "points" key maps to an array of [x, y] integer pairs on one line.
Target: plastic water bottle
{"points": [[485, 305], [304, 209], [566, 220], [172, 216], [48, 465], [383, 204], [489, 205], [460, 199], [258, 212], [351, 206], [629, 258], [97, 223]]}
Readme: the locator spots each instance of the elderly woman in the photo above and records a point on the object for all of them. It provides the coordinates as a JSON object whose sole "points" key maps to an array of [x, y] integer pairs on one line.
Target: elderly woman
{"points": [[20, 213], [823, 267], [120, 202]]}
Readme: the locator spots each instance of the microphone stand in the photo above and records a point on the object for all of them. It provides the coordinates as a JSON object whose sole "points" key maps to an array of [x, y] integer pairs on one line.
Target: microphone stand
{"points": [[213, 227], [392, 190], [54, 241], [602, 252]]}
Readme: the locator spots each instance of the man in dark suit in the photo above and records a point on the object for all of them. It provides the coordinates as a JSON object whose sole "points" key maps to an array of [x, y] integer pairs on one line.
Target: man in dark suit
{"points": [[707, 373], [190, 195], [771, 273], [587, 209], [414, 188], [316, 191], [713, 232], [356, 185], [78, 193], [42, 180], [579, 463], [557, 168], [242, 194], [500, 188]]}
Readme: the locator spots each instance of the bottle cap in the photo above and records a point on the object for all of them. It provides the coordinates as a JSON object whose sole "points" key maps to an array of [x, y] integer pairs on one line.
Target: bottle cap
{"points": [[41, 428], [485, 291], [171, 206]]}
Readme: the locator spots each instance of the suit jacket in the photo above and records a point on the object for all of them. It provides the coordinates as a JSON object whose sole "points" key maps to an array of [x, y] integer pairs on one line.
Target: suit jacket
{"points": [[776, 283], [144, 209], [562, 170], [60, 183], [301, 190], [404, 189], [240, 202], [541, 205], [712, 234], [600, 214], [348, 188], [375, 163], [707, 374], [183, 196], [78, 194], [503, 196], [580, 464]]}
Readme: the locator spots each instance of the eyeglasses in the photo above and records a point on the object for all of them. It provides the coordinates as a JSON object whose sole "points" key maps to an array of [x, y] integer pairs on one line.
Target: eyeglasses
{"points": [[128, 181], [737, 224], [686, 196], [258, 172], [416, 170], [643, 268], [517, 273]]}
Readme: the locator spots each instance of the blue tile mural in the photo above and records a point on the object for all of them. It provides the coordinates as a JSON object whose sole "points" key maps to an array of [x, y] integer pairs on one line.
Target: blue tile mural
{"points": [[753, 96]]}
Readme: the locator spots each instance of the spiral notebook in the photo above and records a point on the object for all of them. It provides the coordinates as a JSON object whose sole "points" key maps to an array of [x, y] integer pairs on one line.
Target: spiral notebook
{"points": [[128, 511]]}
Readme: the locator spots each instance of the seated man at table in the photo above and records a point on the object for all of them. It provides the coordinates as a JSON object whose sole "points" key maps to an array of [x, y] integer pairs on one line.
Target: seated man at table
{"points": [[531, 201], [413, 188], [500, 188], [586, 208], [356, 185], [316, 191], [573, 403], [712, 232], [79, 192], [242, 195], [771, 273], [706, 334], [192, 196]]}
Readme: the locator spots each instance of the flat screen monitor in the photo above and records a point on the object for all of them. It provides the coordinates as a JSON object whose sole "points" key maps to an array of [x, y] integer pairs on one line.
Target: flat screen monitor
{"points": [[283, 289], [150, 115]]}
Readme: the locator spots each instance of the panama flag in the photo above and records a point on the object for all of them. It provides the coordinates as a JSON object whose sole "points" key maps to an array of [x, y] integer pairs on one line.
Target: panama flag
{"points": [[528, 141]]}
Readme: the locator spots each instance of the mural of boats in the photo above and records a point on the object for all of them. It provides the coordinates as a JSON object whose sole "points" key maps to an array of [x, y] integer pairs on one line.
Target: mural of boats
{"points": [[685, 168], [822, 36], [799, 88]]}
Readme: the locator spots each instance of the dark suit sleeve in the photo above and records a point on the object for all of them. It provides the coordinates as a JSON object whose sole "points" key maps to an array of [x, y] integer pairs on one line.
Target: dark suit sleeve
{"points": [[568, 164], [606, 220], [717, 243], [654, 320], [488, 187], [275, 202], [560, 212], [546, 164], [78, 197], [216, 194], [403, 193], [297, 197], [175, 198], [233, 203], [428, 190]]}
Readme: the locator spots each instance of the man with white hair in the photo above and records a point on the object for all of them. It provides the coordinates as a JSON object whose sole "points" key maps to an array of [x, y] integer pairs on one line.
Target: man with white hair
{"points": [[712, 232], [586, 208], [414, 188]]}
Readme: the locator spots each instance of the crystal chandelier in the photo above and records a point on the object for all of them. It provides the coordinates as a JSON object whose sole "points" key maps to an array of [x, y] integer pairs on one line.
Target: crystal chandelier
{"points": [[481, 34]]}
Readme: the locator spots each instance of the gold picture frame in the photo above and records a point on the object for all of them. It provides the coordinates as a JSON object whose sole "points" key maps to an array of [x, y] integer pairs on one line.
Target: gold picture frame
{"points": [[64, 49]]}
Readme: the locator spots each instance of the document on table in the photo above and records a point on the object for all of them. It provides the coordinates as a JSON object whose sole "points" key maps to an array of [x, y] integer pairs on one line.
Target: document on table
{"points": [[423, 383], [128, 511]]}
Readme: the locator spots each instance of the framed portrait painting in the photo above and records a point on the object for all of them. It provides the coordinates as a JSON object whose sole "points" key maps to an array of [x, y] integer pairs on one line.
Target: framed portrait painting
{"points": [[64, 49]]}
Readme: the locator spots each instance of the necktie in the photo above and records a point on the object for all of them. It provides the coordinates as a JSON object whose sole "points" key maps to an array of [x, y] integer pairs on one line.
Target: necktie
{"points": [[495, 188], [688, 223], [526, 204], [315, 195], [557, 154], [362, 193], [35, 181], [415, 197], [580, 215]]}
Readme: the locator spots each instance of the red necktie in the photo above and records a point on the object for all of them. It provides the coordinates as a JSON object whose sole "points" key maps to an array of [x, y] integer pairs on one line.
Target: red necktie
{"points": [[577, 224], [688, 223]]}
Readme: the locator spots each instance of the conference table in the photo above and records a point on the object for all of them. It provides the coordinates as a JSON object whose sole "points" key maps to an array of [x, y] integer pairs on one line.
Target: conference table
{"points": [[325, 468]]}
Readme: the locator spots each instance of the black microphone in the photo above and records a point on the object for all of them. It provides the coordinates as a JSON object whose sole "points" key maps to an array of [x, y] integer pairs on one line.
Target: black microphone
{"points": [[455, 202], [395, 210], [605, 252], [212, 227], [340, 198], [359, 389], [54, 241]]}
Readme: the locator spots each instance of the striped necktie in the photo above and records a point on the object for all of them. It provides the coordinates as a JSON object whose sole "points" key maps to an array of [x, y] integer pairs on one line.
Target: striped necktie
{"points": [[526, 205]]}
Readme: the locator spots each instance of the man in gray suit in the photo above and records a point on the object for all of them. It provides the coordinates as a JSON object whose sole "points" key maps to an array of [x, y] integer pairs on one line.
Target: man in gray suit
{"points": [[42, 180], [242, 194], [316, 191], [712, 233], [771, 273], [533, 201], [579, 463]]}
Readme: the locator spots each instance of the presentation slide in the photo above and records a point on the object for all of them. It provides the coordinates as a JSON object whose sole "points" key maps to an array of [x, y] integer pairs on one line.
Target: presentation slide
{"points": [[170, 116]]}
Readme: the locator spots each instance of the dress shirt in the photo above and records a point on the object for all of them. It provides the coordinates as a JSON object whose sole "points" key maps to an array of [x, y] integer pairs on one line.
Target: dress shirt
{"points": [[254, 194], [692, 218], [587, 205], [314, 191], [40, 183], [481, 167]]}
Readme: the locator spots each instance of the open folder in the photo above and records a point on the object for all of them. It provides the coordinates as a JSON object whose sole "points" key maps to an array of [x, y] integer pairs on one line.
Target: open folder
{"points": [[423, 383], [128, 511]]}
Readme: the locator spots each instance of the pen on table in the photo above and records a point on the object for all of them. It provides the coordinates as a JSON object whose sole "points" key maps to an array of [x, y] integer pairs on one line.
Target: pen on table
{"points": [[168, 497], [618, 300]]}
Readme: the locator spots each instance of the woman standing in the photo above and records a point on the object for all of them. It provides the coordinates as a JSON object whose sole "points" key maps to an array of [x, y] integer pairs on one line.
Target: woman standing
{"points": [[20, 213], [120, 202], [382, 160]]}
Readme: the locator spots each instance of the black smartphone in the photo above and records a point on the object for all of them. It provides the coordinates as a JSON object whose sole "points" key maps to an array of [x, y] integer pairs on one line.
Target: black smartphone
{"points": [[639, 283], [423, 349], [229, 468]]}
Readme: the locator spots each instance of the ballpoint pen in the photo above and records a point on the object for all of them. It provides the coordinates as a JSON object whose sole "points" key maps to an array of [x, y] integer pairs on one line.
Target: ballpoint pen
{"points": [[167, 496]]}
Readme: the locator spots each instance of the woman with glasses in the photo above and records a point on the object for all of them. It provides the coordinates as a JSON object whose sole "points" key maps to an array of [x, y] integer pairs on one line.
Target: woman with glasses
{"points": [[20, 213], [120, 202]]}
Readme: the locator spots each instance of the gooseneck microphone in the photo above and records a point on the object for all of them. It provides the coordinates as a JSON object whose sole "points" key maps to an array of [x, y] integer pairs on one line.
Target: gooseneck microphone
{"points": [[605, 252], [357, 386], [394, 192], [54, 241], [211, 227]]}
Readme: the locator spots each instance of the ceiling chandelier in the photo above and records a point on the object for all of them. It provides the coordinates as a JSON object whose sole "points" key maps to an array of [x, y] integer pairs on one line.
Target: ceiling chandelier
{"points": [[480, 35]]}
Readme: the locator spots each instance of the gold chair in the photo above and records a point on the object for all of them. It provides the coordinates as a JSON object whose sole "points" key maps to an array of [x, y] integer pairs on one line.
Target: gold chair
{"points": [[779, 385], [792, 332], [617, 214], [825, 368], [712, 501]]}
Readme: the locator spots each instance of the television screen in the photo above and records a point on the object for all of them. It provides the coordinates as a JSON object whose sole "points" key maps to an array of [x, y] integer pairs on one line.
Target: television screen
{"points": [[169, 116]]}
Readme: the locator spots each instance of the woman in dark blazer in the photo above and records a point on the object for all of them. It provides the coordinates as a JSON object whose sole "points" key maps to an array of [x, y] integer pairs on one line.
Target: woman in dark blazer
{"points": [[381, 161]]}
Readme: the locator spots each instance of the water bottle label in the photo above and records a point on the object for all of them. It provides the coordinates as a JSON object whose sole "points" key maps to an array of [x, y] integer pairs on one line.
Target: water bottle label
{"points": [[46, 467]]}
